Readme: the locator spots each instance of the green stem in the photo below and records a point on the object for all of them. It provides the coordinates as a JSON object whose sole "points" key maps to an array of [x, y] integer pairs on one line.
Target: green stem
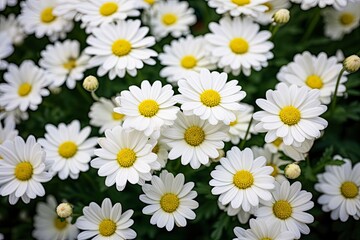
{"points": [[242, 144], [82, 92], [94, 96], [315, 20], [333, 102], [273, 29]]}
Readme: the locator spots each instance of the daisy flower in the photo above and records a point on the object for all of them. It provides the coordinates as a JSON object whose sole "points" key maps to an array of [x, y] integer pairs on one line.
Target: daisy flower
{"points": [[237, 45], [241, 215], [307, 4], [68, 9], [6, 49], [38, 17], [292, 113], [260, 229], [102, 115], [209, 96], [298, 153], [338, 23], [238, 127], [69, 148], [11, 26], [63, 62], [241, 180], [147, 108], [24, 87], [273, 6], [105, 222], [145, 4], [182, 56], [314, 72], [13, 116], [47, 224], [7, 132], [96, 12], [23, 170], [195, 140], [275, 146], [340, 189], [171, 17], [287, 207], [120, 47], [124, 157], [239, 7], [161, 149], [273, 160], [3, 3], [170, 200]]}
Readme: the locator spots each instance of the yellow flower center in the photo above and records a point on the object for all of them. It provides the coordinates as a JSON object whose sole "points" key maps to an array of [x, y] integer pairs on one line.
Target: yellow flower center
{"points": [[24, 89], [156, 149], [169, 202], [121, 47], [349, 189], [151, 2], [47, 16], [240, 2], [243, 179], [266, 238], [239, 45], [107, 227], [67, 149], [210, 98], [277, 142], [233, 123], [194, 136], [314, 81], [148, 108], [282, 209], [126, 157], [60, 225], [169, 19], [275, 171], [188, 62], [347, 18], [23, 171], [290, 115], [269, 6], [117, 116], [108, 8], [69, 65]]}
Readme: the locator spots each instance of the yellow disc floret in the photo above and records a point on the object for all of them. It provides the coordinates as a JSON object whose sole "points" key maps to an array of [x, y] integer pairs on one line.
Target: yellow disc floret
{"points": [[347, 18], [169, 19], [290, 115], [210, 98], [126, 157], [108, 8], [194, 136], [314, 81], [67, 149], [24, 171], [243, 179], [47, 15], [239, 46], [169, 202], [188, 62], [282, 209], [107, 227], [24, 89], [117, 116], [71, 64], [241, 2], [60, 225], [148, 108], [121, 47], [349, 189]]}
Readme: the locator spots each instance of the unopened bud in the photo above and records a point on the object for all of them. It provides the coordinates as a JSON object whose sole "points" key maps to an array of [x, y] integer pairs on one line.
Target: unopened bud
{"points": [[64, 210], [90, 83], [292, 171], [281, 16], [221, 154], [352, 63]]}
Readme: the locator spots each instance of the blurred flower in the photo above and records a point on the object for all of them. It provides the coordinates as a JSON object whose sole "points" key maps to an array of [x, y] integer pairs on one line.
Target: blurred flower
{"points": [[7, 132], [238, 127], [242, 180], [68, 9], [241, 215], [6, 49], [47, 224], [170, 200], [273, 6], [11, 26], [145, 4], [298, 152], [13, 116], [105, 222], [161, 149], [352, 63], [3, 3], [307, 4], [239, 7]]}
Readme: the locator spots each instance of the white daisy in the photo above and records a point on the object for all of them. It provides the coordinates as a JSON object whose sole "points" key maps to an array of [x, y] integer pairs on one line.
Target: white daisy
{"points": [[170, 200], [171, 17], [288, 206], [47, 224], [147, 108], [3, 3], [161, 149], [275, 146], [63, 62], [239, 126], [68, 9], [237, 45], [120, 47], [314, 72], [96, 12], [292, 113], [195, 140], [209, 96], [24, 87], [22, 170], [273, 6], [7, 132], [239, 7], [38, 17], [145, 4], [260, 230], [340, 189], [241, 215], [300, 152], [273, 160], [11, 26], [102, 114], [13, 116], [182, 56], [307, 4], [6, 49], [242, 180], [1, 236], [338, 23], [105, 222], [69, 148], [125, 157]]}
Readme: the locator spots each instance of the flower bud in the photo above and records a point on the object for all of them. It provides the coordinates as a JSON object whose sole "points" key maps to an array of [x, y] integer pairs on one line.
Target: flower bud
{"points": [[281, 16], [352, 63], [64, 210], [292, 171], [90, 83], [221, 154]]}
